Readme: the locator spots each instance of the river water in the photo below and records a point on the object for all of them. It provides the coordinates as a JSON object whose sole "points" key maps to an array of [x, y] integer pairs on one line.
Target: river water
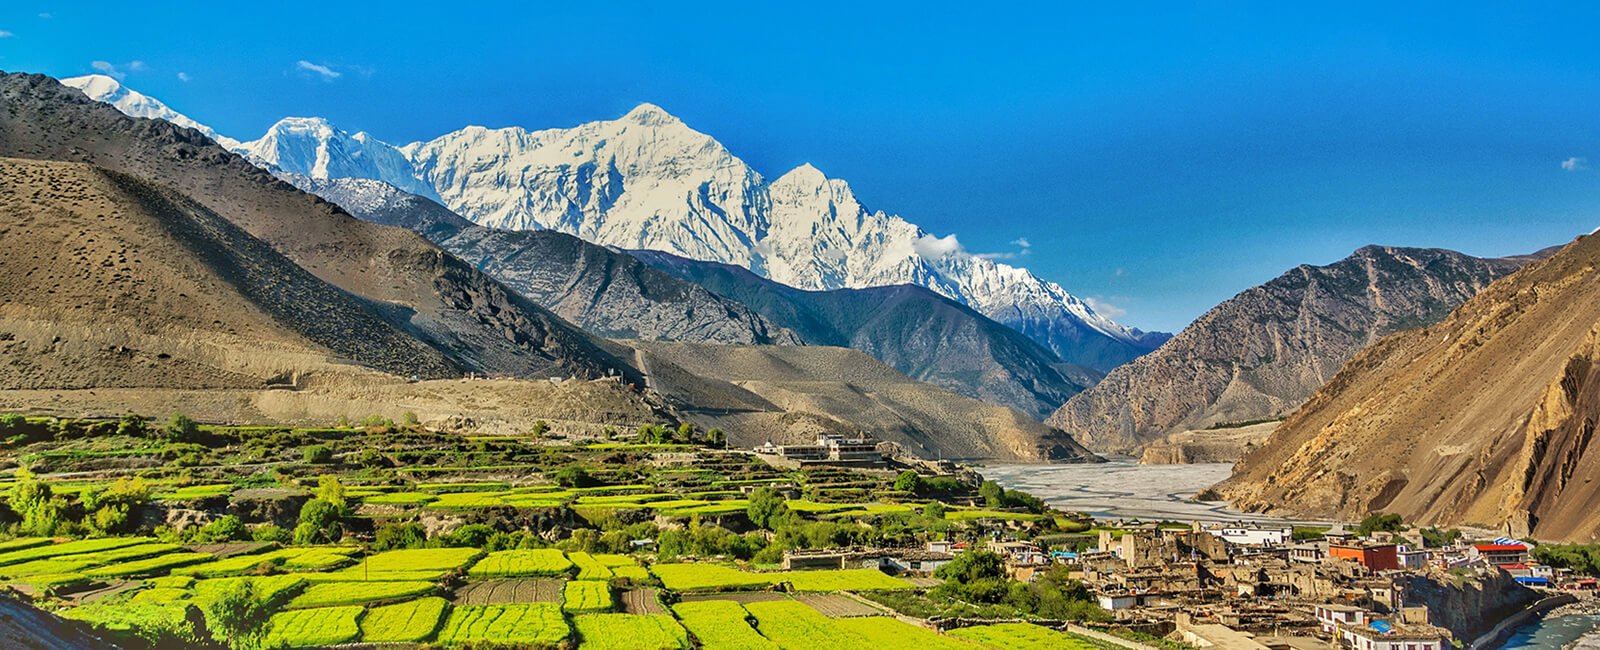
{"points": [[1125, 489], [1576, 631]]}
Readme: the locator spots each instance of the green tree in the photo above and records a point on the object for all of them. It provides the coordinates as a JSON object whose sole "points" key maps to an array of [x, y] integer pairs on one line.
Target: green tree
{"points": [[181, 429], [331, 490], [36, 503], [397, 536], [908, 481], [237, 615], [767, 507], [717, 438], [409, 420], [131, 424], [934, 510], [574, 476], [227, 528], [685, 433], [318, 454], [993, 495], [540, 427], [321, 522], [1380, 522]]}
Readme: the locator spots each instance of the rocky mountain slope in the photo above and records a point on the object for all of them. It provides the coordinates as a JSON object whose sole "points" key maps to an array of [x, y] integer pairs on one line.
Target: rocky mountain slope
{"points": [[1260, 354], [1487, 417], [916, 331], [114, 282], [601, 290], [463, 315], [648, 181], [789, 394]]}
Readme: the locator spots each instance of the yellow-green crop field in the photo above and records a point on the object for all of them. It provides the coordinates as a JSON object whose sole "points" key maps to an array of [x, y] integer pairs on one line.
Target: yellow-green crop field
{"points": [[721, 624], [328, 594], [586, 596], [702, 577], [310, 628], [589, 568], [629, 632], [520, 623], [1021, 636], [408, 622], [521, 564], [839, 580]]}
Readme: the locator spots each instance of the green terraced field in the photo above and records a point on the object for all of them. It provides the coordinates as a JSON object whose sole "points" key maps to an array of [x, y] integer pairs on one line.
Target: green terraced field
{"points": [[701, 577], [409, 564], [310, 628], [1021, 636], [629, 632], [586, 596], [721, 625], [840, 580], [519, 623], [328, 594], [408, 622], [521, 563], [589, 568], [147, 566]]}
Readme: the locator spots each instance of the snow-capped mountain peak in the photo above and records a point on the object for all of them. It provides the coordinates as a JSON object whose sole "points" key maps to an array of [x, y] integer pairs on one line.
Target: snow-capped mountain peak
{"points": [[647, 114], [102, 88], [647, 180]]}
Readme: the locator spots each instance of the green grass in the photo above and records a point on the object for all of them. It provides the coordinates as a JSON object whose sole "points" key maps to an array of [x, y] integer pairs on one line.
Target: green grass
{"points": [[521, 563], [520, 623], [586, 596], [310, 628], [409, 564], [400, 499], [156, 595], [408, 622], [884, 633], [700, 577], [22, 543], [840, 580], [794, 626], [70, 548], [629, 632], [1022, 636], [636, 573], [135, 623], [983, 513], [147, 566], [329, 594], [721, 625], [589, 568], [191, 492], [313, 558]]}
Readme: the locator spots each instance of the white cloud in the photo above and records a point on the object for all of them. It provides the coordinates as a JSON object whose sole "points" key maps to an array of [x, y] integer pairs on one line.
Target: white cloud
{"points": [[324, 72], [937, 247], [183, 76], [1024, 247], [1105, 308], [6, 34], [46, 16], [116, 71], [1575, 164]]}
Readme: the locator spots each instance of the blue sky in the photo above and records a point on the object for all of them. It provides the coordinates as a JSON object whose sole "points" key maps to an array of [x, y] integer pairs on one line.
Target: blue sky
{"points": [[1158, 161]]}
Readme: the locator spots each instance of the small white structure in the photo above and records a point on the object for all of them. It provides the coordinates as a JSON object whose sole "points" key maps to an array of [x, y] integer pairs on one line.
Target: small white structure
{"points": [[1248, 535]]}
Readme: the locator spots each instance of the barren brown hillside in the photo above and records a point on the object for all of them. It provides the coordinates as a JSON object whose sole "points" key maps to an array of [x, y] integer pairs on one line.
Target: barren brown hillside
{"points": [[1487, 417], [475, 322], [109, 281], [789, 394]]}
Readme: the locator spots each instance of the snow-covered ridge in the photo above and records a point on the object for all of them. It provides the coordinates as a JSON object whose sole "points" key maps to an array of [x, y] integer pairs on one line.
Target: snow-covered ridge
{"points": [[102, 88], [648, 181]]}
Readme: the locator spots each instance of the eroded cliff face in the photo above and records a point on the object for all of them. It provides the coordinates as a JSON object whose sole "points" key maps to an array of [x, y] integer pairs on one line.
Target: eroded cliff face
{"points": [[1468, 605], [1486, 418]]}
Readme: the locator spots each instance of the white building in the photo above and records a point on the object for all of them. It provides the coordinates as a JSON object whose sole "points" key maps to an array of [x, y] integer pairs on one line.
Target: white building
{"points": [[1246, 535]]}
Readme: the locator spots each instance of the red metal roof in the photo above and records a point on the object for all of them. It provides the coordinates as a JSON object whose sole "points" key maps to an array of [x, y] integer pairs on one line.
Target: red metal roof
{"points": [[1492, 548], [1510, 567]]}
